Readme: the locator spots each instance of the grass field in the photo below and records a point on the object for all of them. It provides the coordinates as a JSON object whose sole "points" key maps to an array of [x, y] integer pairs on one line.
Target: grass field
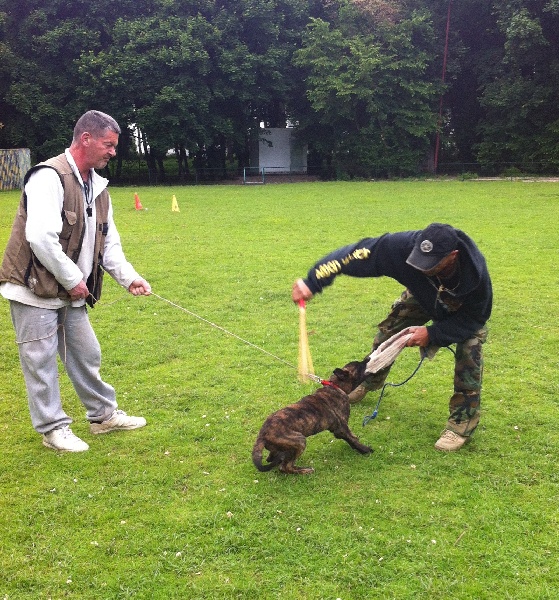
{"points": [[177, 510]]}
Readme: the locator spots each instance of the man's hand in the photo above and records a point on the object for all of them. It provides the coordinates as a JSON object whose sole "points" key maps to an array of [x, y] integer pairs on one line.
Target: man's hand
{"points": [[79, 292], [300, 291], [140, 287], [420, 337]]}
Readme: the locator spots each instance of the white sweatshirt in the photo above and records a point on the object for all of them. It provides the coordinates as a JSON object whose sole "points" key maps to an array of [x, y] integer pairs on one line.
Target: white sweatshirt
{"points": [[45, 198]]}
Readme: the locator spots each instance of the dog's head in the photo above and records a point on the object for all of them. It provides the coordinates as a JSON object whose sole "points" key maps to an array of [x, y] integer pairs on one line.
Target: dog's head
{"points": [[349, 377]]}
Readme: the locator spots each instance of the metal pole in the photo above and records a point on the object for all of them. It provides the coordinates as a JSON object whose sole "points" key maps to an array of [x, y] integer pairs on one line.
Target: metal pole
{"points": [[445, 55]]}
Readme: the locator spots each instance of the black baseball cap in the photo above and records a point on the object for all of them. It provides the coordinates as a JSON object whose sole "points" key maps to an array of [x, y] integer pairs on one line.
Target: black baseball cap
{"points": [[433, 244]]}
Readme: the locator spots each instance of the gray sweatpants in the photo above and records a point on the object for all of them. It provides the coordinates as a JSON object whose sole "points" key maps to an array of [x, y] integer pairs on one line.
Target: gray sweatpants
{"points": [[43, 333]]}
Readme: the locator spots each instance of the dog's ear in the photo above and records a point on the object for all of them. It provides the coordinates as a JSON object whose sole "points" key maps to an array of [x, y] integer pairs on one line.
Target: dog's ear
{"points": [[341, 374]]}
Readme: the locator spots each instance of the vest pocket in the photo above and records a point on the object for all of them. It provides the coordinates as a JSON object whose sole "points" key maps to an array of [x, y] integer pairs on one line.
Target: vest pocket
{"points": [[69, 219], [42, 283]]}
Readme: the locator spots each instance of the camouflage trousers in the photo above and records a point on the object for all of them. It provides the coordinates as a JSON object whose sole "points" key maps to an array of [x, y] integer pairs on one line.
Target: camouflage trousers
{"points": [[465, 403]]}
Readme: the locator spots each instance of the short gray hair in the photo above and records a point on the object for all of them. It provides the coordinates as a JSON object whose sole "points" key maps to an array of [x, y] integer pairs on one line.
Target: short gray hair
{"points": [[96, 123]]}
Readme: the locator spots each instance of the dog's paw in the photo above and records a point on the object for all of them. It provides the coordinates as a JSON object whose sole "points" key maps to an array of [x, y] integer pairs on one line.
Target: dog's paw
{"points": [[365, 450], [304, 470], [297, 470]]}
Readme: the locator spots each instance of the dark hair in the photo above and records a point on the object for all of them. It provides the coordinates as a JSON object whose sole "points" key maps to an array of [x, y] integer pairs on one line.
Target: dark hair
{"points": [[96, 123]]}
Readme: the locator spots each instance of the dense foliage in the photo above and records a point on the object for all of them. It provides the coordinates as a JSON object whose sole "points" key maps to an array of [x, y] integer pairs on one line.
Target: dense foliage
{"points": [[368, 82]]}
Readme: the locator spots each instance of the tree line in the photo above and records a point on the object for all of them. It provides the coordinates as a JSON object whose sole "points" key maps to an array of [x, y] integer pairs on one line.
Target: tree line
{"points": [[376, 88]]}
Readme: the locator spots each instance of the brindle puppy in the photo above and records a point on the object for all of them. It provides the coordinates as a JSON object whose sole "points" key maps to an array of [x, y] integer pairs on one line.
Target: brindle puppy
{"points": [[284, 432]]}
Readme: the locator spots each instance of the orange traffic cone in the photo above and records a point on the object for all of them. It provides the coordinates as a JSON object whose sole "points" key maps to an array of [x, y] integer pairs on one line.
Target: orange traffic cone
{"points": [[175, 205], [137, 202]]}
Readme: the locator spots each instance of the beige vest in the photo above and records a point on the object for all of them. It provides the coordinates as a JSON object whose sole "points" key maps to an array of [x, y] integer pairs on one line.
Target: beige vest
{"points": [[22, 267]]}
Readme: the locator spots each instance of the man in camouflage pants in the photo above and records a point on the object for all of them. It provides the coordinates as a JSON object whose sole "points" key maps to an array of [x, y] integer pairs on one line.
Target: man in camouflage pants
{"points": [[464, 404], [447, 282]]}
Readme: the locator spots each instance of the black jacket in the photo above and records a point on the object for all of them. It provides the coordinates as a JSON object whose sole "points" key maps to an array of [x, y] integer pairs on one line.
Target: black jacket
{"points": [[456, 315]]}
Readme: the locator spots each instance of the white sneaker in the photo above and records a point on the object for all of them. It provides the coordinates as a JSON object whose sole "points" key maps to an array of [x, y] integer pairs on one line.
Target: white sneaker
{"points": [[119, 420], [63, 439]]}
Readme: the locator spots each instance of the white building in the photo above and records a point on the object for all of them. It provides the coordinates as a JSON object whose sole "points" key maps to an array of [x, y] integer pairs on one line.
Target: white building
{"points": [[278, 151]]}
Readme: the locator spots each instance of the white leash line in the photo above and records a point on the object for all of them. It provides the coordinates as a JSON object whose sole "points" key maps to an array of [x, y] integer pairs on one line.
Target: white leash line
{"points": [[230, 333]]}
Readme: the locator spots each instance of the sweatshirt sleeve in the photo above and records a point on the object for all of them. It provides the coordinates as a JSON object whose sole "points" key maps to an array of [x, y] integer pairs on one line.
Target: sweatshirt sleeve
{"points": [[385, 256], [355, 260], [114, 261]]}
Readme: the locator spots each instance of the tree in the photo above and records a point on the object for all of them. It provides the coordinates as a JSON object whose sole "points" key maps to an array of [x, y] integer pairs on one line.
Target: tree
{"points": [[520, 127], [44, 94], [502, 82], [201, 77], [370, 94], [474, 52], [152, 75], [361, 78]]}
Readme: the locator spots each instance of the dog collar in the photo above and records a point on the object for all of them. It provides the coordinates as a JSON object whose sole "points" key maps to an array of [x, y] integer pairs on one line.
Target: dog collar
{"points": [[329, 383]]}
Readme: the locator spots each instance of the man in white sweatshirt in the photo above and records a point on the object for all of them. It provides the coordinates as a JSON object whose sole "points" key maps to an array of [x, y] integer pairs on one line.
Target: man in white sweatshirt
{"points": [[63, 240]]}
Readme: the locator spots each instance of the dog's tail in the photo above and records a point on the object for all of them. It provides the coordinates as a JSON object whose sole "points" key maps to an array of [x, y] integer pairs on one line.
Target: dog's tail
{"points": [[257, 450]]}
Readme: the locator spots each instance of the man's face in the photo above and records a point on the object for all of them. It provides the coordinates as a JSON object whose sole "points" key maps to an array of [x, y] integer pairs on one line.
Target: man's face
{"points": [[445, 267], [99, 151]]}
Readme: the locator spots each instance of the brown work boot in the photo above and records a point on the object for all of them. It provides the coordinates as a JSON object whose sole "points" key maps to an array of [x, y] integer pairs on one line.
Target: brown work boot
{"points": [[450, 441]]}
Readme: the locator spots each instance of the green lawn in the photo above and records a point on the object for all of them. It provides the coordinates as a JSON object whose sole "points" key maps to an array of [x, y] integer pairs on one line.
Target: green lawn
{"points": [[177, 510]]}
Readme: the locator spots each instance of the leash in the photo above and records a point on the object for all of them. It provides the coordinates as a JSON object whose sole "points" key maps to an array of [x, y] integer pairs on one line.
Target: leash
{"points": [[311, 376], [314, 378], [375, 412]]}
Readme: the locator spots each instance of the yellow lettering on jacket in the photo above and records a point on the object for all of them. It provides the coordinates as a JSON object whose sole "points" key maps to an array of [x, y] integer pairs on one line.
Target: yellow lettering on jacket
{"points": [[361, 253], [333, 267], [330, 268], [358, 254]]}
